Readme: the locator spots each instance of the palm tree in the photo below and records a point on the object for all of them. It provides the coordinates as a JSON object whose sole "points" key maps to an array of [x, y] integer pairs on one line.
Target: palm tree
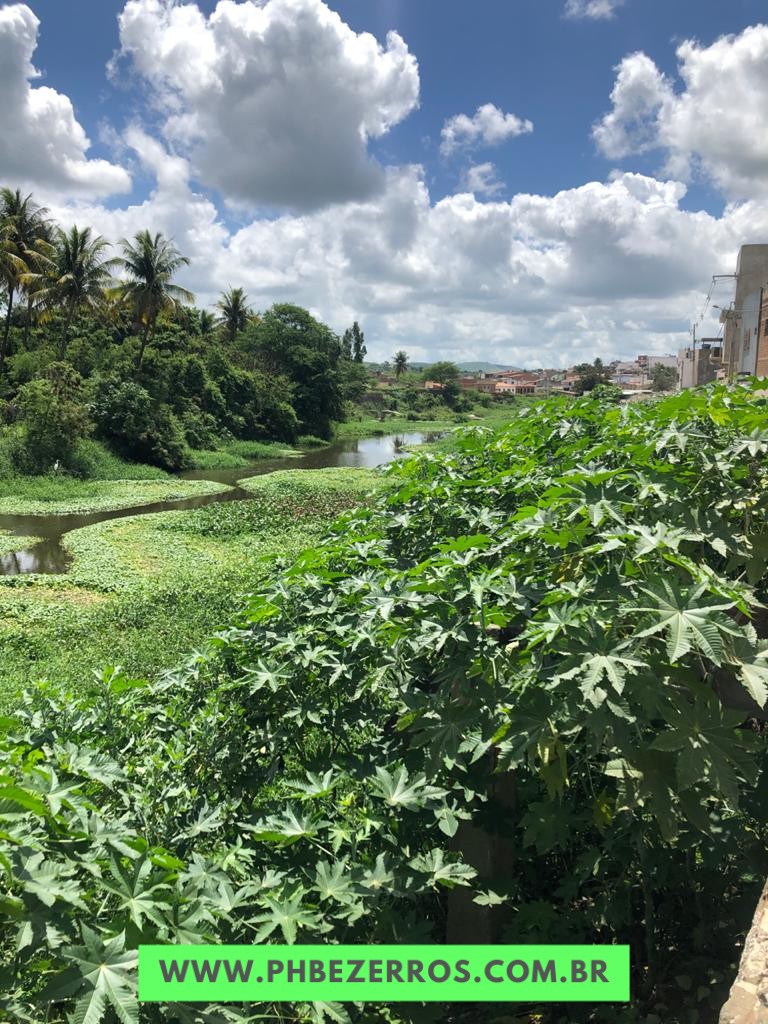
{"points": [[150, 264], [12, 271], [400, 362], [26, 251], [235, 312], [207, 322], [79, 275]]}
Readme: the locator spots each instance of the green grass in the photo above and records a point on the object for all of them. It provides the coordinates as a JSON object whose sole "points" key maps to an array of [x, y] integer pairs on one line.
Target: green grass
{"points": [[371, 426], [365, 425], [237, 454], [96, 462], [144, 591], [57, 495], [310, 441], [308, 491]]}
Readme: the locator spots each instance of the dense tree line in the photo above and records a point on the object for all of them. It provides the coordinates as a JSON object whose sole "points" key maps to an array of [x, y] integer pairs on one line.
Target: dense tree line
{"points": [[105, 342]]}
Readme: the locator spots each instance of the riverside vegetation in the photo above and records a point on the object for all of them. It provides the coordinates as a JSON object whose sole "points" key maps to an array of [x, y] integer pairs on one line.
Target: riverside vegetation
{"points": [[144, 590], [110, 381], [551, 633], [104, 356]]}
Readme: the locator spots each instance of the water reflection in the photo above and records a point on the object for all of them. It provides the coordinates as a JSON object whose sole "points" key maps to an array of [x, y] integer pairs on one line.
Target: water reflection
{"points": [[49, 555]]}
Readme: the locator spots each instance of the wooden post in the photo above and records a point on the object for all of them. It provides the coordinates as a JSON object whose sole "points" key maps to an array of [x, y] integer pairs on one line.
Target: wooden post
{"points": [[492, 856]]}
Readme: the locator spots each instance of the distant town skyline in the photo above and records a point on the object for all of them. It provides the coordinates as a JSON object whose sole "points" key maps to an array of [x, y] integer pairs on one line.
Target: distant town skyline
{"points": [[527, 184]]}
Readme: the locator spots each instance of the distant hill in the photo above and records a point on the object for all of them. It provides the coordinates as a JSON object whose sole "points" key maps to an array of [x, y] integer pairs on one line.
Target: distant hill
{"points": [[477, 367], [466, 367]]}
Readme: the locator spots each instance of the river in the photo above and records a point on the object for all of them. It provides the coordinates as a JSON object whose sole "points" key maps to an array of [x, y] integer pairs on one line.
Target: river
{"points": [[49, 555]]}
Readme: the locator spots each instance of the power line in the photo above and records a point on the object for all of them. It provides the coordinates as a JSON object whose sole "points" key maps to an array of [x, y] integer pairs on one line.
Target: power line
{"points": [[715, 279]]}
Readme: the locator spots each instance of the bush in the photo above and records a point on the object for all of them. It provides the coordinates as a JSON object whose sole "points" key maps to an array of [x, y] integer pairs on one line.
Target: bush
{"points": [[310, 441], [53, 420], [200, 429], [128, 419], [606, 393], [92, 460], [9, 443], [547, 644]]}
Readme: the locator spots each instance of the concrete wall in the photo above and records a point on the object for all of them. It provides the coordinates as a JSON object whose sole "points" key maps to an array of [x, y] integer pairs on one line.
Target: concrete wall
{"points": [[741, 328], [661, 361], [748, 1001], [686, 367], [699, 366], [762, 347]]}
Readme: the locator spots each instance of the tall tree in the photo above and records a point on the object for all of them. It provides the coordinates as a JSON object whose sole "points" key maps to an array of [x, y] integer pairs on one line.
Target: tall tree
{"points": [[207, 323], [151, 264], [346, 344], [443, 372], [235, 312], [78, 276], [359, 350], [26, 250], [289, 341], [663, 378], [400, 363], [590, 375], [12, 271]]}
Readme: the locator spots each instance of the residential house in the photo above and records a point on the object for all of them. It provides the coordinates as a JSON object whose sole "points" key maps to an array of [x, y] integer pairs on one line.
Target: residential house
{"points": [[697, 366]]}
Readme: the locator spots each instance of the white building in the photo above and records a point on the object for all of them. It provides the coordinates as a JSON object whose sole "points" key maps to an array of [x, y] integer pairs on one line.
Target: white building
{"points": [[742, 320]]}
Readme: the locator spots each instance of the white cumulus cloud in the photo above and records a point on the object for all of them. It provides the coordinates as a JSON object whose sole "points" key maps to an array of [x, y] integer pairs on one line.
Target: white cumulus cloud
{"points": [[637, 98], [608, 268], [41, 141], [482, 180], [488, 126], [273, 102], [595, 9], [714, 125]]}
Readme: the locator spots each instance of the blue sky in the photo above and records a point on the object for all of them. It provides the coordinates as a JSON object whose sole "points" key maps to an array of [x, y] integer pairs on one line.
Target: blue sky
{"points": [[525, 57], [434, 248]]}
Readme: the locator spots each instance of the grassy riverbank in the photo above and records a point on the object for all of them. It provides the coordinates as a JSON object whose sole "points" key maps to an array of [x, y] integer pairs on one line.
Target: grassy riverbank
{"points": [[372, 426], [145, 590], [365, 425], [238, 454], [51, 495]]}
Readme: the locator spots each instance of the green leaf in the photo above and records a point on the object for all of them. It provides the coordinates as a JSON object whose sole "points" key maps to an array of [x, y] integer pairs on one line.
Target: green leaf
{"points": [[688, 620], [442, 872], [106, 977], [286, 914], [397, 791], [754, 676], [22, 799]]}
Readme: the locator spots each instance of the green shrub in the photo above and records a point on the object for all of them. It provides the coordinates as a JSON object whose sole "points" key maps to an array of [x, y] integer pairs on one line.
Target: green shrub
{"points": [[310, 441], [9, 442], [200, 428], [53, 420], [138, 428], [92, 460], [521, 646]]}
